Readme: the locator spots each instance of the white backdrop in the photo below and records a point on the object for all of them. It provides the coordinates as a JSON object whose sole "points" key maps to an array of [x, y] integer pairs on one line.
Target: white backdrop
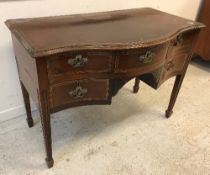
{"points": [[11, 104]]}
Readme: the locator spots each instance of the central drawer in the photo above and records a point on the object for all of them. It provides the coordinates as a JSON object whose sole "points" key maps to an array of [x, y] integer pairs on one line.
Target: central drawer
{"points": [[141, 59], [65, 66], [72, 92]]}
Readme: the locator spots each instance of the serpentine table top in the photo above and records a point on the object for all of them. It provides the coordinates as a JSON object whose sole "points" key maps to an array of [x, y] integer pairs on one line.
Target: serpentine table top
{"points": [[122, 29]]}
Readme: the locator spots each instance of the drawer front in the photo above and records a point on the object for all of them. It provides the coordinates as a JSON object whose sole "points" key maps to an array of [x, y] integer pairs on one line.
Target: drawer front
{"points": [[178, 53], [78, 91], [174, 66], [142, 59], [181, 44], [64, 66]]}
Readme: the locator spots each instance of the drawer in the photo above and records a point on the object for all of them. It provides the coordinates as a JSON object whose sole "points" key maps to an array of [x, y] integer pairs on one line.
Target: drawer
{"points": [[174, 66], [62, 67], [78, 91], [181, 44], [142, 59]]}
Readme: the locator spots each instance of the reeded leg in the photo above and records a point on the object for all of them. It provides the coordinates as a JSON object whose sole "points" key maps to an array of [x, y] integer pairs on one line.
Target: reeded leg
{"points": [[46, 127], [26, 100], [136, 85], [175, 91]]}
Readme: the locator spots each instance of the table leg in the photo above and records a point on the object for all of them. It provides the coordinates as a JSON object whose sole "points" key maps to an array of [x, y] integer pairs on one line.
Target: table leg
{"points": [[174, 94], [46, 127], [136, 85], [26, 100], [177, 85]]}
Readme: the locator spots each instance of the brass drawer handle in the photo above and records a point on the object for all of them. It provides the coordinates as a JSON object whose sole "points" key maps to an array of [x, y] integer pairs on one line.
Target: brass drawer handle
{"points": [[78, 92], [78, 61], [170, 65], [178, 41], [147, 57]]}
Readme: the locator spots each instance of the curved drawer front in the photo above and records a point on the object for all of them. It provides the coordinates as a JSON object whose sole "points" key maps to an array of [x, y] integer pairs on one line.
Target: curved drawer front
{"points": [[64, 66], [178, 54], [174, 66], [141, 59], [181, 44], [78, 91]]}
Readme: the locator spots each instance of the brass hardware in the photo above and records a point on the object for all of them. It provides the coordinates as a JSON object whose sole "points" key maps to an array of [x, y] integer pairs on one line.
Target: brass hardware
{"points": [[78, 61], [170, 65], [147, 57], [178, 40], [78, 92]]}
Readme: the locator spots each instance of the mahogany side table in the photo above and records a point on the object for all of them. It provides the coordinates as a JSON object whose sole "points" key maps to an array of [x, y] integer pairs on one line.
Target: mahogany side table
{"points": [[85, 59]]}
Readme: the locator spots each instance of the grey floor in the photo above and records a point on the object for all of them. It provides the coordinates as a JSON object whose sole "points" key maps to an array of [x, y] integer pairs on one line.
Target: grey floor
{"points": [[130, 137]]}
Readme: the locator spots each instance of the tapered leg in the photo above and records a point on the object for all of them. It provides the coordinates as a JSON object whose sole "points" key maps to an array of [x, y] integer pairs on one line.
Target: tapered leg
{"points": [[175, 91], [176, 88], [136, 85], [26, 100], [46, 127]]}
